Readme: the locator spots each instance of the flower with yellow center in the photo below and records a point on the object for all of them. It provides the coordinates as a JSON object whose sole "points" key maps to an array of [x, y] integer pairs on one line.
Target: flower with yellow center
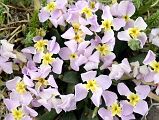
{"points": [[40, 45], [78, 37], [41, 82], [21, 87], [116, 109], [76, 27], [103, 49], [134, 99], [73, 56], [91, 85], [87, 12], [51, 6], [107, 24], [134, 32], [155, 66], [126, 18], [47, 58], [17, 114]]}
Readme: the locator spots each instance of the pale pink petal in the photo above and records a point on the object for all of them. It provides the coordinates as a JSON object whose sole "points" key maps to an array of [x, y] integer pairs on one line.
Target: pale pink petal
{"points": [[90, 75]]}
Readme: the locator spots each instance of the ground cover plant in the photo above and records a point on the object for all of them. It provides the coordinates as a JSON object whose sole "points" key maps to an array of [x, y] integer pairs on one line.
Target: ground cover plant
{"points": [[78, 60]]}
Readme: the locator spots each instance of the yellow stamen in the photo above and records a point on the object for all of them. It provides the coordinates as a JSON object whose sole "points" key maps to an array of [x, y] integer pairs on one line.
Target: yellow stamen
{"points": [[17, 114], [47, 58], [134, 32], [40, 45], [21, 87], [76, 26], [51, 6], [87, 12], [42, 82], [107, 24], [73, 56], [134, 99], [155, 66], [126, 18], [116, 109], [91, 85], [103, 49], [78, 37]]}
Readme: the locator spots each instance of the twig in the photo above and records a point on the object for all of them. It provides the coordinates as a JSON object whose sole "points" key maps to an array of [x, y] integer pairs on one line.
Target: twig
{"points": [[153, 104], [14, 35], [15, 30], [10, 6], [7, 28], [153, 96], [22, 21]]}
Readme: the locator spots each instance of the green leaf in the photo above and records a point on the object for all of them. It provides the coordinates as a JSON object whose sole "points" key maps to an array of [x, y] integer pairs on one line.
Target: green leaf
{"points": [[153, 20], [134, 44], [139, 58], [71, 77], [48, 115], [70, 88], [68, 116], [138, 3]]}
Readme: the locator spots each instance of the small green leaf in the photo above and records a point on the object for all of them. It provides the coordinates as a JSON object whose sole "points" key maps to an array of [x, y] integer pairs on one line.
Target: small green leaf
{"points": [[48, 115], [71, 77], [134, 44], [139, 58]]}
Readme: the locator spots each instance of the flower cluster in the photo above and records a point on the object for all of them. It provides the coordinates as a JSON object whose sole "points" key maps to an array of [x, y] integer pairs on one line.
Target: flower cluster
{"points": [[87, 48]]}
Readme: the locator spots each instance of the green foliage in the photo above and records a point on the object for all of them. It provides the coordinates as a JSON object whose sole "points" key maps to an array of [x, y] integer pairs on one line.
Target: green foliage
{"points": [[31, 31], [48, 115], [18, 2], [138, 3], [71, 77], [153, 20], [28, 41], [107, 2], [139, 57], [68, 116], [2, 16], [134, 44]]}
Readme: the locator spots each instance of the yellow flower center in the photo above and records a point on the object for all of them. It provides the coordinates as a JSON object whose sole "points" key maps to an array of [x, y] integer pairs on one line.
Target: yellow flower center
{"points": [[91, 85], [134, 99], [155, 66], [21, 87], [40, 45], [47, 58], [51, 6], [73, 56], [92, 5], [107, 24], [87, 12], [134, 32], [116, 109], [42, 82], [126, 18], [76, 27], [103, 49], [78, 37], [17, 114]]}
